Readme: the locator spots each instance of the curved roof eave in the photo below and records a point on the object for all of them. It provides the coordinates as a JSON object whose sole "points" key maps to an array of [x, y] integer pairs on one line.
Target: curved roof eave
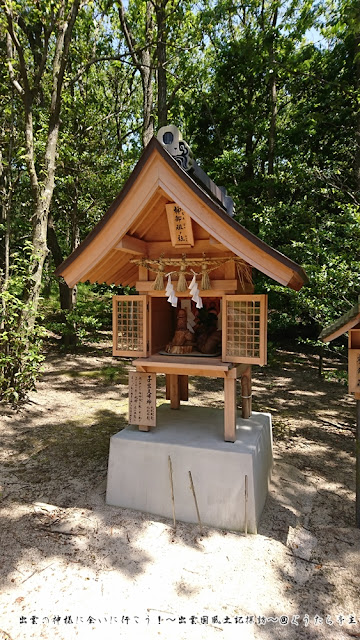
{"points": [[297, 275]]}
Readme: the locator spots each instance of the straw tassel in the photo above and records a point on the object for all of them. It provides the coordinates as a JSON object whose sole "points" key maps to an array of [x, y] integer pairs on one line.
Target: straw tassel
{"points": [[182, 285], [205, 280], [159, 280]]}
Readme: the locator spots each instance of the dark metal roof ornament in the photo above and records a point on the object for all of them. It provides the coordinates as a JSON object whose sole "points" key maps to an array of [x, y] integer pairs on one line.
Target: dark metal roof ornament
{"points": [[170, 137]]}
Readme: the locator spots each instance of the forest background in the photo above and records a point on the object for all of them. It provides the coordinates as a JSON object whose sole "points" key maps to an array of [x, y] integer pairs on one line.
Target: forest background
{"points": [[266, 93]]}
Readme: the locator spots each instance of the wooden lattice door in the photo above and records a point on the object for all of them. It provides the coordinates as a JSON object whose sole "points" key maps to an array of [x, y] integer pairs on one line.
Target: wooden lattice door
{"points": [[130, 326], [244, 329]]}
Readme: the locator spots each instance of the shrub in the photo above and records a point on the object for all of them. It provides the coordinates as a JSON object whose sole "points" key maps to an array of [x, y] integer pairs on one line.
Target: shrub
{"points": [[20, 351]]}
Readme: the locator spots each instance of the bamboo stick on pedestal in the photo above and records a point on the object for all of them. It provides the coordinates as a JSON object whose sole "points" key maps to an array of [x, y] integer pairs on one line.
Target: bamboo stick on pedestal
{"points": [[195, 500], [172, 491]]}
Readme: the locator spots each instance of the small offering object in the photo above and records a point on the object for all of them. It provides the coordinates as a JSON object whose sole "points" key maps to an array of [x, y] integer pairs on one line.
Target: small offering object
{"points": [[183, 340]]}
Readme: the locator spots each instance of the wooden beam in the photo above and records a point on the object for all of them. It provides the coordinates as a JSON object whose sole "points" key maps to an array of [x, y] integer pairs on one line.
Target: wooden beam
{"points": [[129, 244], [186, 365], [230, 270], [216, 244], [156, 202], [174, 389], [229, 409], [246, 395], [184, 388], [155, 249], [150, 221], [217, 286], [143, 274]]}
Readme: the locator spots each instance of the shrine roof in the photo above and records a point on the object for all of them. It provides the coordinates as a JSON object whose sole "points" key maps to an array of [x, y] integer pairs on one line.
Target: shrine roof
{"points": [[346, 322], [135, 221]]}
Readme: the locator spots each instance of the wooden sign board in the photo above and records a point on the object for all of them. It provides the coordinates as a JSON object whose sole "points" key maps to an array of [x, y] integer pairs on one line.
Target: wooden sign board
{"points": [[142, 398], [354, 370], [180, 226], [354, 361]]}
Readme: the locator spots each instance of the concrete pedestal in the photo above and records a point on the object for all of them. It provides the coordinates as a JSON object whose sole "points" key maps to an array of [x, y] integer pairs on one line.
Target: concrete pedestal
{"points": [[138, 471]]}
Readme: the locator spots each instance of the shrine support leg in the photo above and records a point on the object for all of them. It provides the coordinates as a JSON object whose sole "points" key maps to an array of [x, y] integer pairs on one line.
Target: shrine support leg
{"points": [[174, 391], [229, 409], [183, 387], [246, 403]]}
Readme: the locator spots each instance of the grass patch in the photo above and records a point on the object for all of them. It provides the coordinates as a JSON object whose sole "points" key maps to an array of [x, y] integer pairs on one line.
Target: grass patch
{"points": [[336, 375], [108, 374]]}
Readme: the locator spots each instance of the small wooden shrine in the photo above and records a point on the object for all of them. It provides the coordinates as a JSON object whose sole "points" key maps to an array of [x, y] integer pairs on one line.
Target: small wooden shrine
{"points": [[171, 234], [350, 323]]}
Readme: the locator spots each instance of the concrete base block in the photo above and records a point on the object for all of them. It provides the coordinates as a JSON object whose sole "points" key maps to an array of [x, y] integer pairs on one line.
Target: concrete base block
{"points": [[138, 471]]}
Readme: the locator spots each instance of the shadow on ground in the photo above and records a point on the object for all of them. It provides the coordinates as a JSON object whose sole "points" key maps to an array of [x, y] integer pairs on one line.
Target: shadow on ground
{"points": [[53, 460]]}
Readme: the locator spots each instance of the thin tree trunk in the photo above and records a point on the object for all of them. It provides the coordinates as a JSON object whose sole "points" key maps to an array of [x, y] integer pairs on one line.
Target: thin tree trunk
{"points": [[249, 150], [5, 181], [68, 295], [6, 191], [160, 9], [148, 98], [357, 80], [42, 189], [143, 63], [272, 129], [273, 99], [56, 252]]}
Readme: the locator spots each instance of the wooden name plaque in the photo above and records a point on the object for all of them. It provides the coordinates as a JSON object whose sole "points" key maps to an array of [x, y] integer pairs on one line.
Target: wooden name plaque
{"points": [[180, 226], [142, 399], [354, 370]]}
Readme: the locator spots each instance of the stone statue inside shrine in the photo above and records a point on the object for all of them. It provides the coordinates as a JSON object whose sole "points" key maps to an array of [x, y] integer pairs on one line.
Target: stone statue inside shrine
{"points": [[183, 340]]}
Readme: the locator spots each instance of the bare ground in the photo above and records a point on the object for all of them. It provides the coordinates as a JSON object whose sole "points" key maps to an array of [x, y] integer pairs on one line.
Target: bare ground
{"points": [[73, 567]]}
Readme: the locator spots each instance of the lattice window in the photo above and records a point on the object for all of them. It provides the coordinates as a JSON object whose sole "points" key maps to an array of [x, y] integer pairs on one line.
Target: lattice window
{"points": [[244, 330], [129, 325]]}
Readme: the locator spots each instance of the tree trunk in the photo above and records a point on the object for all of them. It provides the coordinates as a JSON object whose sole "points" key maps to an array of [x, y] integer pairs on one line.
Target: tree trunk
{"points": [[249, 150], [272, 129], [5, 191], [148, 98], [66, 297], [29, 89], [160, 9], [273, 98], [144, 65], [357, 80]]}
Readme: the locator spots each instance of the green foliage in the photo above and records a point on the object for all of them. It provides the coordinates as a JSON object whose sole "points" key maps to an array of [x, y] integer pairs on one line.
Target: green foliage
{"points": [[20, 351], [109, 374], [222, 58], [335, 375], [309, 207], [91, 317]]}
